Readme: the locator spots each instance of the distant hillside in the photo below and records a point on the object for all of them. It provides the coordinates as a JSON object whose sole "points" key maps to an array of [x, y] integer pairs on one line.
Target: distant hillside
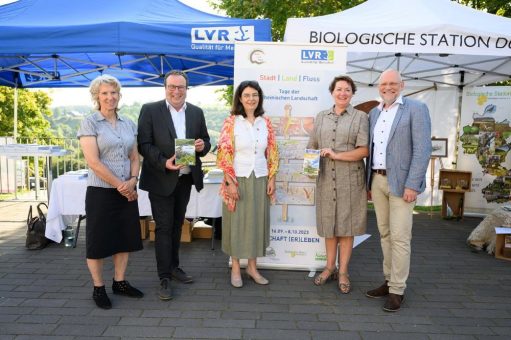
{"points": [[66, 119]]}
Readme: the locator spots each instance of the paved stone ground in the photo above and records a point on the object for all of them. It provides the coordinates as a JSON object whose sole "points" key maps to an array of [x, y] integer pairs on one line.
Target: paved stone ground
{"points": [[453, 293]]}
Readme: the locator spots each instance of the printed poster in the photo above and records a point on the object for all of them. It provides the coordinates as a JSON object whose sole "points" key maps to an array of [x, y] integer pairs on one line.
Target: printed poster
{"points": [[484, 145], [295, 80]]}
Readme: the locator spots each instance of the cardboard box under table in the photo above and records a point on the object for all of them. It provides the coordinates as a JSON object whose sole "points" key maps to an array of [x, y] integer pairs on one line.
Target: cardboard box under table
{"points": [[503, 243], [202, 230], [144, 227], [186, 231]]}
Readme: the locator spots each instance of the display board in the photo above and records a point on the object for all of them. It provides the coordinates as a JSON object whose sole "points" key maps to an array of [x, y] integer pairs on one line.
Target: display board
{"points": [[484, 145], [295, 80]]}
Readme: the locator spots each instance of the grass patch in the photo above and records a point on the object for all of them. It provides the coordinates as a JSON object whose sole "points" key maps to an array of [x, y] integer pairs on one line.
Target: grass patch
{"points": [[4, 197], [11, 196], [421, 208], [427, 209]]}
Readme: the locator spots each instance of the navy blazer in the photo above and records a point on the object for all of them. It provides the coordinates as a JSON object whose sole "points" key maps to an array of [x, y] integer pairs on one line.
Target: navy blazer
{"points": [[408, 148], [156, 134]]}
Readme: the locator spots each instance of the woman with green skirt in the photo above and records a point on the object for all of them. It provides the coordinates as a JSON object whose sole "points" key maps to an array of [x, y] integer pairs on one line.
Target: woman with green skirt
{"points": [[248, 156]]}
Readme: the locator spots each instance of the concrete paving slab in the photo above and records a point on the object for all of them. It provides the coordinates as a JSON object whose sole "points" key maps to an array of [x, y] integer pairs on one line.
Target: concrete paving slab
{"points": [[453, 293]]}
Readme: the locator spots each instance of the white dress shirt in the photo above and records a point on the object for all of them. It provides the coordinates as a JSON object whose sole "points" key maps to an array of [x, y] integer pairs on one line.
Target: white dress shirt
{"points": [[250, 143], [381, 133], [179, 120]]}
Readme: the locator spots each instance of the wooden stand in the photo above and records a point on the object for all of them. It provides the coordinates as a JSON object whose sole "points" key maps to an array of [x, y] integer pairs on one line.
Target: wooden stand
{"points": [[454, 184], [503, 246]]}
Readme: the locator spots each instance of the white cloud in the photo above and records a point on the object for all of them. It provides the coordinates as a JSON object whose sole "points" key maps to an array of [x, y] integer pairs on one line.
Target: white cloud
{"points": [[5, 2]]}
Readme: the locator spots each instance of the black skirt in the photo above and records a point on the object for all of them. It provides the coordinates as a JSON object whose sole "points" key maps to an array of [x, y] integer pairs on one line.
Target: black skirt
{"points": [[112, 223]]}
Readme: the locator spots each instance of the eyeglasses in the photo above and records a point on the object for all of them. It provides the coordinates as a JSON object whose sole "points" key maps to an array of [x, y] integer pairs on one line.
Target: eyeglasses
{"points": [[248, 95], [174, 87], [389, 84]]}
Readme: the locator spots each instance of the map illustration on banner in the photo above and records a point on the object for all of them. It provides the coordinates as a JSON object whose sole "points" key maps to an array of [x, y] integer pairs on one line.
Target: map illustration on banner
{"points": [[486, 144]]}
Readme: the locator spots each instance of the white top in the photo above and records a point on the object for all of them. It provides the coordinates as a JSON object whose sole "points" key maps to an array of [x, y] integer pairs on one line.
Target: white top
{"points": [[250, 143], [381, 133], [179, 120]]}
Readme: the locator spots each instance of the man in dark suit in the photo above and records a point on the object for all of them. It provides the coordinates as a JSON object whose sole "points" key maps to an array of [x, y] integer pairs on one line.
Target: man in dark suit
{"points": [[168, 184]]}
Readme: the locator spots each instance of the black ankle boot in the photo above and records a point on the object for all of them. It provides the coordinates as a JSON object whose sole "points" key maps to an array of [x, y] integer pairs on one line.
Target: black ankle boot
{"points": [[124, 288], [100, 298]]}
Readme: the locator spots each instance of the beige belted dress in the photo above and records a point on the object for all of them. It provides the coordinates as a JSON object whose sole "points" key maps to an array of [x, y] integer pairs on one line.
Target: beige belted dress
{"points": [[341, 199]]}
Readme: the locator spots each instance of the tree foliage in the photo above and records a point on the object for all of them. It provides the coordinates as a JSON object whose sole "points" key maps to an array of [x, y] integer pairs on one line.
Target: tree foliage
{"points": [[279, 11], [33, 108], [498, 7]]}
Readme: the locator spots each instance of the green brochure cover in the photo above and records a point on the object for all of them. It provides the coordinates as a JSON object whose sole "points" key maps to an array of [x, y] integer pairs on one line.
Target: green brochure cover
{"points": [[311, 162], [185, 151]]}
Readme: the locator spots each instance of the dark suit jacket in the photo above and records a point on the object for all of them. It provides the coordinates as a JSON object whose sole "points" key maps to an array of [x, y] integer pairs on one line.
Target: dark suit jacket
{"points": [[156, 134]]}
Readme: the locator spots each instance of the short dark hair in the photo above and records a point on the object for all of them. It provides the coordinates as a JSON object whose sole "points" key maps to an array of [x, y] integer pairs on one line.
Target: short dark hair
{"points": [[237, 106], [343, 78], [175, 73]]}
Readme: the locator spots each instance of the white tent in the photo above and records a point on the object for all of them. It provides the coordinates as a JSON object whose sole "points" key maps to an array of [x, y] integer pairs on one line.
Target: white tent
{"points": [[438, 45], [430, 41]]}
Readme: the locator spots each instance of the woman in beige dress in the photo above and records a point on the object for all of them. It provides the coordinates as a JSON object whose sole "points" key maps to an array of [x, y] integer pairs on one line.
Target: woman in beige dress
{"points": [[341, 135]]}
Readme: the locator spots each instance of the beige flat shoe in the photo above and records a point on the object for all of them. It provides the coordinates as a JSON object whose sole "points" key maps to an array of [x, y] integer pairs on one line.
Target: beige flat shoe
{"points": [[259, 279], [236, 281]]}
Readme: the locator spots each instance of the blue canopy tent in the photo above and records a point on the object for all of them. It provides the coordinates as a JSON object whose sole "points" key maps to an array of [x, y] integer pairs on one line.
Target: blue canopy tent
{"points": [[62, 43]]}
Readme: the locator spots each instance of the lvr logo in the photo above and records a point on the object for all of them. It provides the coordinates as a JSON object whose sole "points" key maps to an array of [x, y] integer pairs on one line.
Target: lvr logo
{"points": [[222, 35], [317, 55]]}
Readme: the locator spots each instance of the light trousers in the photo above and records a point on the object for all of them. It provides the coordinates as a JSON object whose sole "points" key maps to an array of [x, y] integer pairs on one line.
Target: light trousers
{"points": [[394, 217]]}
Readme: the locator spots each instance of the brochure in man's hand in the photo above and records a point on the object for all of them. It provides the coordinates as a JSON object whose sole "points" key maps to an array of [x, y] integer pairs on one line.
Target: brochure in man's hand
{"points": [[185, 151], [311, 162]]}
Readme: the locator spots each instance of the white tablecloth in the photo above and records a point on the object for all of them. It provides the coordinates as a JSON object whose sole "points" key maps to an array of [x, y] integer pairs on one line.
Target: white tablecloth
{"points": [[67, 201]]}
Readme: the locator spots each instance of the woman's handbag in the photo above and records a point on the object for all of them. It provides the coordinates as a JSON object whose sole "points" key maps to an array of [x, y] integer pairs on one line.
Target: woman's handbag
{"points": [[36, 226]]}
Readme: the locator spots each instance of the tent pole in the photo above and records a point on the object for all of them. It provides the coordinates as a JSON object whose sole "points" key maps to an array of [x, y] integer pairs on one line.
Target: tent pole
{"points": [[15, 137], [15, 128], [458, 120]]}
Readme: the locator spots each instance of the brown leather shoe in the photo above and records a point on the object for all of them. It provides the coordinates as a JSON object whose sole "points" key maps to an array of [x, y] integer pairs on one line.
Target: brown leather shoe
{"points": [[393, 303], [379, 292]]}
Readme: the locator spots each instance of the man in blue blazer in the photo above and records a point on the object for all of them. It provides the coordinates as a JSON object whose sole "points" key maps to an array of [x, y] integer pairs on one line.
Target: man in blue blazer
{"points": [[168, 184], [399, 153]]}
